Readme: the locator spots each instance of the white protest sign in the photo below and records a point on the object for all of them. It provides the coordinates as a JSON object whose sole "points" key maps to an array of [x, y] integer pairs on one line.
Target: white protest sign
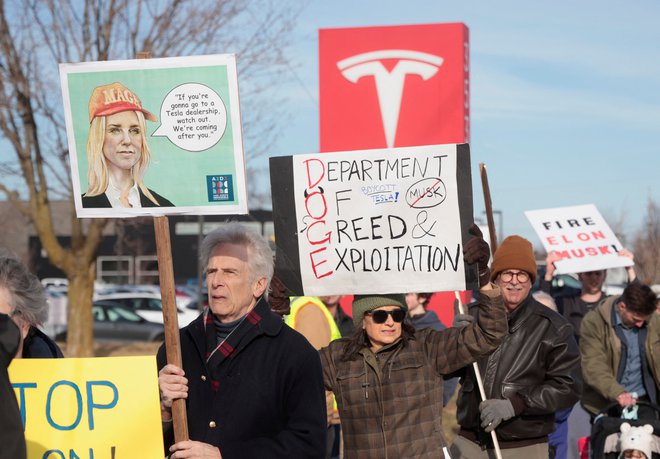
{"points": [[580, 236], [373, 221]]}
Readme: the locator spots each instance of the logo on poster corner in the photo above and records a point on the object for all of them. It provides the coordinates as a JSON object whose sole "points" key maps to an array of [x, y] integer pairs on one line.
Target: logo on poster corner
{"points": [[390, 83], [220, 188]]}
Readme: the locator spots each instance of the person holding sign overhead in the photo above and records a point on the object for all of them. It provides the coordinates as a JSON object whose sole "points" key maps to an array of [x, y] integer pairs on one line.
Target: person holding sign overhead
{"points": [[117, 152], [253, 386], [388, 378]]}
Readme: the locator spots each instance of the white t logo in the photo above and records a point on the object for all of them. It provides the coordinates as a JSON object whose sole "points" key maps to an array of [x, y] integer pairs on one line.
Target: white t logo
{"points": [[389, 85]]}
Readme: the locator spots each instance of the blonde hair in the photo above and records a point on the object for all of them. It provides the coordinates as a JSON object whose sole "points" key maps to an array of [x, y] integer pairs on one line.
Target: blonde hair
{"points": [[97, 167]]}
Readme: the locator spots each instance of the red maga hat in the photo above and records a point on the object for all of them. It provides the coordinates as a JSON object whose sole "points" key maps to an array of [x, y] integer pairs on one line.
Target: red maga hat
{"points": [[114, 98]]}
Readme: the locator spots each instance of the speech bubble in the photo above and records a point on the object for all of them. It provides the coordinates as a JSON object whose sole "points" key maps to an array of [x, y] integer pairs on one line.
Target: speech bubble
{"points": [[193, 117]]}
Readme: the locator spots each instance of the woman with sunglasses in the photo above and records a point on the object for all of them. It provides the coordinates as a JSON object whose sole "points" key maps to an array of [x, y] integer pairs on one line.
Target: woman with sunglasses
{"points": [[388, 378]]}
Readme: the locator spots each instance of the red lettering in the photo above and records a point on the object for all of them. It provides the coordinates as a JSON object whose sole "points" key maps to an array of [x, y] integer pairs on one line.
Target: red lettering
{"points": [[321, 241], [591, 251], [566, 240], [315, 264], [583, 237], [551, 240], [310, 172], [563, 254], [324, 206], [604, 249], [578, 253], [597, 235]]}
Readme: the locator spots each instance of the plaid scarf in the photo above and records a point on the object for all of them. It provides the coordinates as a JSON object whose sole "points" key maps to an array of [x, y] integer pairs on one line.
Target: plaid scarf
{"points": [[216, 354]]}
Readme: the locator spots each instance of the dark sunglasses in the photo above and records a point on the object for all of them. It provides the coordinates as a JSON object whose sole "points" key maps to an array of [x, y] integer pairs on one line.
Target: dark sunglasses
{"points": [[380, 316]]}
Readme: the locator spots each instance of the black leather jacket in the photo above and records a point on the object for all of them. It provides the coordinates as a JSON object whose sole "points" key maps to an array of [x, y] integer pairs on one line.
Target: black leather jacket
{"points": [[536, 367]]}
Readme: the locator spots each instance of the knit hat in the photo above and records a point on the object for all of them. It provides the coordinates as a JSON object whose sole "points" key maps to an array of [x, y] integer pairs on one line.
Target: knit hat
{"points": [[114, 98], [639, 438], [515, 252], [365, 303]]}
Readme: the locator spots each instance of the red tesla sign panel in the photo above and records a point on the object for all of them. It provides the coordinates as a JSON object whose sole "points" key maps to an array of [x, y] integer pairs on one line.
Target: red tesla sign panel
{"points": [[394, 86]]}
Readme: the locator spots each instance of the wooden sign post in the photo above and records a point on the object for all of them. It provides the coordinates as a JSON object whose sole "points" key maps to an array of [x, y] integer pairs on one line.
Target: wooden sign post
{"points": [[489, 208], [170, 318], [170, 314]]}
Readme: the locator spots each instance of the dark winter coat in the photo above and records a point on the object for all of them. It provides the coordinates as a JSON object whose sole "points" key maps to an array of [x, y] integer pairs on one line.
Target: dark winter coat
{"points": [[536, 368], [260, 396], [38, 345], [12, 439]]}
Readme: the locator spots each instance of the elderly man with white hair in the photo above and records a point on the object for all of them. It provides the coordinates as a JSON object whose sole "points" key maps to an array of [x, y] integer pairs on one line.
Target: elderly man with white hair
{"points": [[253, 386]]}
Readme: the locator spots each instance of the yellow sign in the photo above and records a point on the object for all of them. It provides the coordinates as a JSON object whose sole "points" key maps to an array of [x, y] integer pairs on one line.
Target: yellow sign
{"points": [[97, 408]]}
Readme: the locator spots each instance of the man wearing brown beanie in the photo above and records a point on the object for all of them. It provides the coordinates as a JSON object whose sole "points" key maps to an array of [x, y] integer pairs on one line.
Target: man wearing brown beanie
{"points": [[529, 377]]}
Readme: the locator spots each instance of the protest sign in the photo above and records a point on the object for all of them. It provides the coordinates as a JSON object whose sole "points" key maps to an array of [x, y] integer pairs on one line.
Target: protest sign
{"points": [[102, 408], [581, 237], [373, 221], [171, 126]]}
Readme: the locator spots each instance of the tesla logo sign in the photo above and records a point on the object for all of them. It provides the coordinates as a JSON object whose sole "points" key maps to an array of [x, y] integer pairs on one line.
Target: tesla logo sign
{"points": [[393, 86], [389, 84]]}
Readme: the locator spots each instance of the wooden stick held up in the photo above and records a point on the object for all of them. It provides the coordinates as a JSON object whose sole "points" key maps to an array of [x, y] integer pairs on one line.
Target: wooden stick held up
{"points": [[489, 208], [170, 313]]}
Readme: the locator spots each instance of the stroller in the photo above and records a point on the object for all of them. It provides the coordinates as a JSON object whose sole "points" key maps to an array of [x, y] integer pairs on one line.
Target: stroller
{"points": [[605, 433]]}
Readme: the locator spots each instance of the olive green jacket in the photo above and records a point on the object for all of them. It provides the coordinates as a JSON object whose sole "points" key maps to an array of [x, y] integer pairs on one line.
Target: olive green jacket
{"points": [[600, 348]]}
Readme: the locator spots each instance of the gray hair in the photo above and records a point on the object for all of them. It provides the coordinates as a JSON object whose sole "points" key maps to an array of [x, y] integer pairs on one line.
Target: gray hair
{"points": [[27, 295], [261, 256]]}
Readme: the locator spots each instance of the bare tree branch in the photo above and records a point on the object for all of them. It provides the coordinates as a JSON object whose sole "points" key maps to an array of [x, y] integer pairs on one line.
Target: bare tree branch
{"points": [[37, 35]]}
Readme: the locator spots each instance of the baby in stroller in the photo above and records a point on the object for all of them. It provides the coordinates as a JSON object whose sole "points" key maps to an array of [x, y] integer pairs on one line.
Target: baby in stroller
{"points": [[631, 442], [616, 436], [636, 442]]}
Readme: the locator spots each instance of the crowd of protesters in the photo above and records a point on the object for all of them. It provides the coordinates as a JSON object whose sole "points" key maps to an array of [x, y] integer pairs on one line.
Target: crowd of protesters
{"points": [[254, 387]]}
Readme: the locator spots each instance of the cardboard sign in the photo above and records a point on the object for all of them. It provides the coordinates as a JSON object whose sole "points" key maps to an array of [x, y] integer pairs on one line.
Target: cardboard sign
{"points": [[580, 235], [374, 221], [103, 408], [169, 126], [394, 86]]}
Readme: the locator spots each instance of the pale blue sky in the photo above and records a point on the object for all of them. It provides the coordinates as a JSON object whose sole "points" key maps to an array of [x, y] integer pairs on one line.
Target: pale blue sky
{"points": [[565, 98]]}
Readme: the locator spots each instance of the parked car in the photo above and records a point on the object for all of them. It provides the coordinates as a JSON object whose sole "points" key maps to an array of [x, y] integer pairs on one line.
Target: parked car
{"points": [[147, 305], [114, 322]]}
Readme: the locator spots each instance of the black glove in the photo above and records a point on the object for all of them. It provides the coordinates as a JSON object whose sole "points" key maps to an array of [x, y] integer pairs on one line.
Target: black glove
{"points": [[460, 320], [477, 251], [494, 411], [277, 297]]}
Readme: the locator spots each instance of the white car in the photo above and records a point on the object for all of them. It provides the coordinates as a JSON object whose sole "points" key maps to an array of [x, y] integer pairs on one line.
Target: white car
{"points": [[147, 305]]}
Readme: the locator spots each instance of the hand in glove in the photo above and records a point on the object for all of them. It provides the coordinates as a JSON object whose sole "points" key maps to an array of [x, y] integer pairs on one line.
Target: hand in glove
{"points": [[278, 298], [460, 320], [494, 411], [477, 251]]}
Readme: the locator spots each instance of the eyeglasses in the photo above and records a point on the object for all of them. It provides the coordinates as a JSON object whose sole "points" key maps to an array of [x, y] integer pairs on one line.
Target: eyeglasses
{"points": [[507, 276], [380, 316]]}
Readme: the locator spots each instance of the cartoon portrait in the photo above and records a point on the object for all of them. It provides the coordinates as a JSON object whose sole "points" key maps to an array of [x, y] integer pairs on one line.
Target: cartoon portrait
{"points": [[117, 152]]}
